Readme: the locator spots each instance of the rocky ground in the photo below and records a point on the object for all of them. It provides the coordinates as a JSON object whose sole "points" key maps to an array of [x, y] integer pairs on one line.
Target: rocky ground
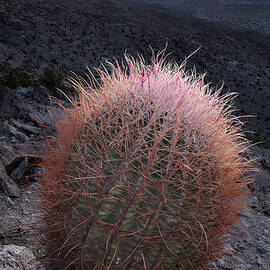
{"points": [[42, 41]]}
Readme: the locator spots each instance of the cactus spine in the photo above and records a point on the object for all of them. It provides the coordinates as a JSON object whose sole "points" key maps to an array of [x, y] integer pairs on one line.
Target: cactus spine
{"points": [[146, 171]]}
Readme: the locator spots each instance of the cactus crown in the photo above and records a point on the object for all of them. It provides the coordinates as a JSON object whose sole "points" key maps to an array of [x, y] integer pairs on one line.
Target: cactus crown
{"points": [[146, 171]]}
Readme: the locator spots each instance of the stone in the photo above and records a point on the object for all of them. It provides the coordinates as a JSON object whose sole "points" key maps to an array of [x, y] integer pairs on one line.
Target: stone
{"points": [[8, 129], [17, 257], [14, 161], [10, 105], [22, 90], [9, 186], [10, 153], [25, 127], [21, 137], [19, 172], [17, 219], [260, 261], [265, 164], [263, 248], [47, 132], [11, 202], [36, 119], [7, 154], [41, 95]]}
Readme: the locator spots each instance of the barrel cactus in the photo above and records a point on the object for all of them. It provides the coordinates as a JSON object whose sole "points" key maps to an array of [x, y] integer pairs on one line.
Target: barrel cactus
{"points": [[146, 171]]}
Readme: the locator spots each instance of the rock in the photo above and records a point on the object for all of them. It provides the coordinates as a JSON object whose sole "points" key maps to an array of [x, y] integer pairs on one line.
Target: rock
{"points": [[22, 90], [9, 186], [11, 105], [17, 219], [9, 154], [47, 132], [17, 257], [19, 172], [261, 189], [14, 161], [8, 130], [25, 127], [36, 119], [11, 202], [41, 95], [21, 137], [265, 164]]}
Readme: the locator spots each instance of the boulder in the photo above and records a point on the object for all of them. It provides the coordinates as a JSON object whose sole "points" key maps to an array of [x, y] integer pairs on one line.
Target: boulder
{"points": [[8, 185]]}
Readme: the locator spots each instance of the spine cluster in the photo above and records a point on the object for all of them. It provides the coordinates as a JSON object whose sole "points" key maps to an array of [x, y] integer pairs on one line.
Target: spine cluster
{"points": [[146, 171]]}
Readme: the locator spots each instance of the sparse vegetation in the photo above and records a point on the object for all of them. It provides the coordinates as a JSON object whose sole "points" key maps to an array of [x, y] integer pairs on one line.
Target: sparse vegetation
{"points": [[14, 76], [257, 139], [54, 78]]}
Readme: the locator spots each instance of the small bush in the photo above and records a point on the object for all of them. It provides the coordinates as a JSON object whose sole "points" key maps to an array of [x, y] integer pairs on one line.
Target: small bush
{"points": [[52, 78], [13, 77]]}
